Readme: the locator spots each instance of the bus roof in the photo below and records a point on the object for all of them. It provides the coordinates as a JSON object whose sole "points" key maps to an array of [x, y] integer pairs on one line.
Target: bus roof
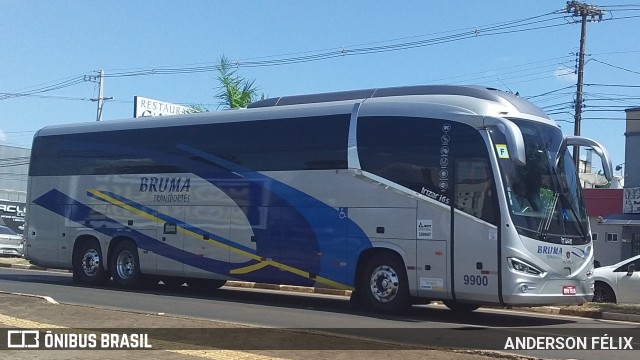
{"points": [[478, 92], [472, 98]]}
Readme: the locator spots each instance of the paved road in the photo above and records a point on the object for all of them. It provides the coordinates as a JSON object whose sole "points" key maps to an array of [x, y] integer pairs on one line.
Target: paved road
{"points": [[305, 311], [166, 336]]}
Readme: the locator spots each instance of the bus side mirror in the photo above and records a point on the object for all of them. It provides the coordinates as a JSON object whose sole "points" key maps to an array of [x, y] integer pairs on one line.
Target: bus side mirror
{"points": [[599, 149], [515, 141]]}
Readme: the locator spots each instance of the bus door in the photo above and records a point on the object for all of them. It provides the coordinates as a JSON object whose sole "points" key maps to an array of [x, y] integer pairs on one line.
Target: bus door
{"points": [[433, 229], [475, 236]]}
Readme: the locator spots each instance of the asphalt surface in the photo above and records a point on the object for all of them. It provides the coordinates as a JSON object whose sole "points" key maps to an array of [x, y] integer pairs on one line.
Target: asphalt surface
{"points": [[108, 334], [178, 338], [21, 263]]}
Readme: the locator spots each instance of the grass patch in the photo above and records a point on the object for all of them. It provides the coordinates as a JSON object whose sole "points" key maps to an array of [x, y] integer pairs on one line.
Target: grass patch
{"points": [[602, 307]]}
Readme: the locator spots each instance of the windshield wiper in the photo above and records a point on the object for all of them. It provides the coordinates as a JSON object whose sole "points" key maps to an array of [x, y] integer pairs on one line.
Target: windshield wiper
{"points": [[578, 220], [543, 229]]}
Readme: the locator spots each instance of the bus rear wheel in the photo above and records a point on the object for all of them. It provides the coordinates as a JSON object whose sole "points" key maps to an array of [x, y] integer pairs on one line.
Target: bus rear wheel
{"points": [[87, 265], [384, 286], [125, 265], [205, 285]]}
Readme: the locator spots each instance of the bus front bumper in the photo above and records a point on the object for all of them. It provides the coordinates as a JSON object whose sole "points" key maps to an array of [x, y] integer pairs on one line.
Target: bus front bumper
{"points": [[550, 292]]}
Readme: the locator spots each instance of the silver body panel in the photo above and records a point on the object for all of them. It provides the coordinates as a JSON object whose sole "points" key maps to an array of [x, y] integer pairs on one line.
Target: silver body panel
{"points": [[438, 266]]}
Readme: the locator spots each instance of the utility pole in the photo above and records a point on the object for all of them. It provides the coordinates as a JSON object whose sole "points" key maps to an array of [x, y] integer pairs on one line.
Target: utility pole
{"points": [[586, 13], [100, 99]]}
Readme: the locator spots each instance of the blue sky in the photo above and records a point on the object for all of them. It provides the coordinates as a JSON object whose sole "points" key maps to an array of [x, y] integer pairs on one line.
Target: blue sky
{"points": [[52, 43]]}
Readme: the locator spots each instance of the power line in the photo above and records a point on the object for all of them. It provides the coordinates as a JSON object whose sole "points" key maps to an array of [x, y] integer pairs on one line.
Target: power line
{"points": [[616, 67], [499, 29], [509, 27], [534, 23], [57, 86], [615, 85]]}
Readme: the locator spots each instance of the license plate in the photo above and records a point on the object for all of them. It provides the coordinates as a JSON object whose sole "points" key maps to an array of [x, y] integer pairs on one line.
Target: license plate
{"points": [[569, 290]]}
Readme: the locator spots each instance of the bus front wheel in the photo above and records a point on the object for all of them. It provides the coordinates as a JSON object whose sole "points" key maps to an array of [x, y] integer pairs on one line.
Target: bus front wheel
{"points": [[460, 308], [125, 266], [384, 286]]}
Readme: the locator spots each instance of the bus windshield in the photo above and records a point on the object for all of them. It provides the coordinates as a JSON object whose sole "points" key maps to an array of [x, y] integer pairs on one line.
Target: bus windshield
{"points": [[544, 196]]}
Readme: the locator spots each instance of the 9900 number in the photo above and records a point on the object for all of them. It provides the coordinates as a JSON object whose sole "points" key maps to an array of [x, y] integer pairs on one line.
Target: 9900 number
{"points": [[479, 280]]}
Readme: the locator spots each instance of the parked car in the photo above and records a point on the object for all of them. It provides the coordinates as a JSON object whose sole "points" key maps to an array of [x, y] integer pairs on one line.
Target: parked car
{"points": [[10, 242], [619, 283]]}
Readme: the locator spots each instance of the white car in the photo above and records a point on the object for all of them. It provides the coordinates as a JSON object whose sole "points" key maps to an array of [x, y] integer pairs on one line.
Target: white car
{"points": [[619, 283], [11, 243]]}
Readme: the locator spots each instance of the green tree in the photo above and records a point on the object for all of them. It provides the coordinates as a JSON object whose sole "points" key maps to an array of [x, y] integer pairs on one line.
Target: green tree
{"points": [[234, 91], [196, 108]]}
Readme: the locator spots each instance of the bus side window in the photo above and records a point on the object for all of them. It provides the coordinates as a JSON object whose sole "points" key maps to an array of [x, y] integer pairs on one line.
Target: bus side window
{"points": [[474, 189], [404, 150]]}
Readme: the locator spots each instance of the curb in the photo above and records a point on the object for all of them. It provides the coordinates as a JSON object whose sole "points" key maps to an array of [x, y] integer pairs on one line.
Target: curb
{"points": [[29, 267], [231, 283], [620, 317]]}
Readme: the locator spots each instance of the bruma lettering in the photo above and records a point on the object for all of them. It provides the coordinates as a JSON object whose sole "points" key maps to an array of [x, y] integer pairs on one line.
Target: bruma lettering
{"points": [[164, 184], [550, 250], [166, 189]]}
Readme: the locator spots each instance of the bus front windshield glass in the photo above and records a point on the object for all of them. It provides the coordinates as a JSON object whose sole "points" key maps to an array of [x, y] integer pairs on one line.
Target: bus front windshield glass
{"points": [[544, 196]]}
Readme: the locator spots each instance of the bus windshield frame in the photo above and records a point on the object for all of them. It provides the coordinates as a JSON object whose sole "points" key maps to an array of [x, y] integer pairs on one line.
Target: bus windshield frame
{"points": [[544, 196]]}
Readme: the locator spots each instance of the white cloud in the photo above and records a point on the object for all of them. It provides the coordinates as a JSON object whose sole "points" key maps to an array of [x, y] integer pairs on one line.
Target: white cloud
{"points": [[3, 136]]}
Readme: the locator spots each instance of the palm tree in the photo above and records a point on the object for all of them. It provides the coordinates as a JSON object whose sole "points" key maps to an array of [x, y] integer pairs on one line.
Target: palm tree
{"points": [[234, 91]]}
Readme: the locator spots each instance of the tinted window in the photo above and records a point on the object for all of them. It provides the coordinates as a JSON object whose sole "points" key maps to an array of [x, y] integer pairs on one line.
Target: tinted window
{"points": [[404, 150], [311, 143], [474, 188], [431, 156], [625, 267]]}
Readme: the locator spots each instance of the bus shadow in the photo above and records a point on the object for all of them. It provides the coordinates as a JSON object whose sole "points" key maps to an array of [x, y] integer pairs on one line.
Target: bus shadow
{"points": [[311, 302], [338, 304]]}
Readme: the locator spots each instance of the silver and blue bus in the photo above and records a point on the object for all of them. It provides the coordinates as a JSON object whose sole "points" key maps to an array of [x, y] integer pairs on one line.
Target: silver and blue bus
{"points": [[461, 194]]}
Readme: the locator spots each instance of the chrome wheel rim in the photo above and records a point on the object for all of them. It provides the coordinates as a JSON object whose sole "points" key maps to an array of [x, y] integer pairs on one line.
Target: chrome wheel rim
{"points": [[91, 262], [125, 265], [384, 284]]}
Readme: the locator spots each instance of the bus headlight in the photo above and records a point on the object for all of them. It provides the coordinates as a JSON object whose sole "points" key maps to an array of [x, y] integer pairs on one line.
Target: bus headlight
{"points": [[524, 267]]}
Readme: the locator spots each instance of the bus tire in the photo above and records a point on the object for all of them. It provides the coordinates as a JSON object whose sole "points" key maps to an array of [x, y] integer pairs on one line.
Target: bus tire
{"points": [[460, 308], [205, 285], [87, 265], [384, 286], [125, 265], [172, 282]]}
